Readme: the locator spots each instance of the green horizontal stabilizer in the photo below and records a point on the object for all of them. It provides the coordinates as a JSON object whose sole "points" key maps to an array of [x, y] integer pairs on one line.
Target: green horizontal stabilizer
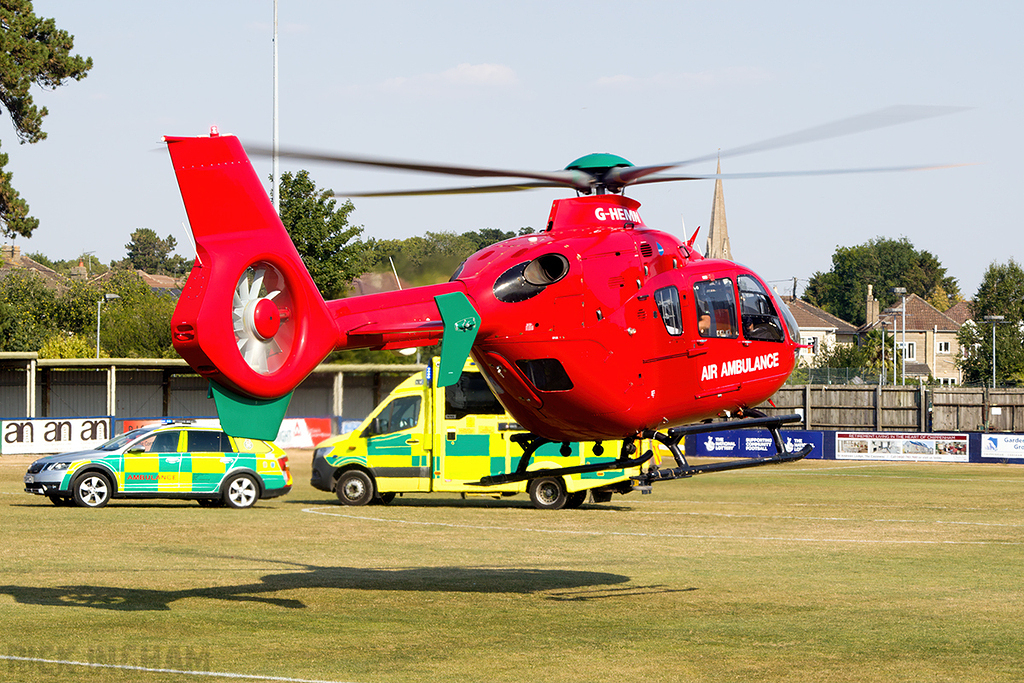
{"points": [[461, 323], [245, 417]]}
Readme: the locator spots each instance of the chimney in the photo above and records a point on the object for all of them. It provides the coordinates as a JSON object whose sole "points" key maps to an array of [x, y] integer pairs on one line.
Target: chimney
{"points": [[871, 313]]}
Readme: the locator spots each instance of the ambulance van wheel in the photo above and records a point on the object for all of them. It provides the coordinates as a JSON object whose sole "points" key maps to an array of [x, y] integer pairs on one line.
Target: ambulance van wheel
{"points": [[354, 488], [91, 490], [240, 492], [548, 493]]}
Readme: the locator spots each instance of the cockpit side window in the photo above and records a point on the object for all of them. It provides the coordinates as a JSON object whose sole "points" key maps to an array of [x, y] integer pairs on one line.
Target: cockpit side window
{"points": [[667, 300], [760, 320], [716, 308]]}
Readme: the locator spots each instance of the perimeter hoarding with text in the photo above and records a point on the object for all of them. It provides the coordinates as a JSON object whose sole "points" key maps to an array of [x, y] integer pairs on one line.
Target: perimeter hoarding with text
{"points": [[902, 446], [1002, 446], [752, 443]]}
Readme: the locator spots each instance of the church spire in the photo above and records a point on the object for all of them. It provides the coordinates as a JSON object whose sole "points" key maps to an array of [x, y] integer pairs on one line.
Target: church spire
{"points": [[718, 233]]}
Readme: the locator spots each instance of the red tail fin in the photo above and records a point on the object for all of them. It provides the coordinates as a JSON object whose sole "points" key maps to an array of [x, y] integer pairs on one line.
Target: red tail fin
{"points": [[250, 317]]}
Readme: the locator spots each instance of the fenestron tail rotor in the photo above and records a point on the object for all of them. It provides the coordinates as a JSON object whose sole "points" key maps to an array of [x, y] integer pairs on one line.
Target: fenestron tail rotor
{"points": [[261, 318]]}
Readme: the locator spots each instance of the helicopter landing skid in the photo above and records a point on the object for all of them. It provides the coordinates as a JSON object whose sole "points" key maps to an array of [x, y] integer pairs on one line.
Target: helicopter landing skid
{"points": [[670, 440], [684, 469]]}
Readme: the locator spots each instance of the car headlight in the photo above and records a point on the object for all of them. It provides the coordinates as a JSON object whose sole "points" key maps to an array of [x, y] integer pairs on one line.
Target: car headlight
{"points": [[53, 466], [322, 452]]}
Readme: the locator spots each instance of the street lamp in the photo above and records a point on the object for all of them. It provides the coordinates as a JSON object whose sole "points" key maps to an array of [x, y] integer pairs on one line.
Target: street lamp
{"points": [[109, 296], [884, 372], [902, 291], [891, 312], [994, 320]]}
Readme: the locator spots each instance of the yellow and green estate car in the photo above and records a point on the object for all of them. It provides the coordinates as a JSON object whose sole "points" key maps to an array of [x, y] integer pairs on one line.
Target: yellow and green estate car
{"points": [[176, 460]]}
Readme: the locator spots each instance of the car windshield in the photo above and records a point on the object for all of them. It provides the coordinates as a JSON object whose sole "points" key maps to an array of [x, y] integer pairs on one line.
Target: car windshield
{"points": [[124, 439]]}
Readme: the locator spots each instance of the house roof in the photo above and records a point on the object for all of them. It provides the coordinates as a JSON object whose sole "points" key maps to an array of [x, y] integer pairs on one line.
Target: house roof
{"points": [[810, 317], [13, 261], [160, 284], [921, 316], [961, 311]]}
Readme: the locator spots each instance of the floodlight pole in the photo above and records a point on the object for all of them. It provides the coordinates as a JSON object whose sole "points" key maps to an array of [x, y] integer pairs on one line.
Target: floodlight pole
{"points": [[994, 320], [885, 374], [276, 183]]}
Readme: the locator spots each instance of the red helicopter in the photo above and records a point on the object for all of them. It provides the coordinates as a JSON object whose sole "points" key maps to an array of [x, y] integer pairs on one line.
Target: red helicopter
{"points": [[596, 328]]}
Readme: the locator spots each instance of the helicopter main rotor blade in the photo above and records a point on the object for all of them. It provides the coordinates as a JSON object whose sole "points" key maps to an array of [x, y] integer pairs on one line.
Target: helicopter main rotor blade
{"points": [[575, 179], [477, 189], [787, 174], [882, 118]]}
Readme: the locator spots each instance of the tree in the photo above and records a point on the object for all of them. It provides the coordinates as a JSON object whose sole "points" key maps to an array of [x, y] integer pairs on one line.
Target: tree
{"points": [[27, 310], [150, 254], [74, 308], [33, 51], [328, 245], [1001, 293], [435, 256], [65, 345], [883, 263], [138, 323]]}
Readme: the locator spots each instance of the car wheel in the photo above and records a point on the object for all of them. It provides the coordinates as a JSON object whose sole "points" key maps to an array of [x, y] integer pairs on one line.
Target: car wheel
{"points": [[241, 491], [354, 488], [91, 490], [575, 499], [548, 493]]}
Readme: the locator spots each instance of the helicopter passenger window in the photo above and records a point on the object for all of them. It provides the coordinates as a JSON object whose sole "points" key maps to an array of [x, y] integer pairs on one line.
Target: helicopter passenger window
{"points": [[760, 321], [546, 374], [716, 308], [402, 413], [667, 299]]}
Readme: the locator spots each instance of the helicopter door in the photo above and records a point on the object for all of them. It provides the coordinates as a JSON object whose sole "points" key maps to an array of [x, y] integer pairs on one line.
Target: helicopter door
{"points": [[717, 325]]}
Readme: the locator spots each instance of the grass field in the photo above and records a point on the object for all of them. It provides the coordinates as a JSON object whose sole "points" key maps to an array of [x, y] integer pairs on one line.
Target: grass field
{"points": [[813, 571]]}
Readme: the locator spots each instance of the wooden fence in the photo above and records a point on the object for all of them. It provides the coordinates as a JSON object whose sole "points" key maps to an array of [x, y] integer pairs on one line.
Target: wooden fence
{"points": [[899, 408]]}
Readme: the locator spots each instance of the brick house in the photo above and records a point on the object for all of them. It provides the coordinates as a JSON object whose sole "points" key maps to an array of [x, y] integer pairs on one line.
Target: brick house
{"points": [[929, 343]]}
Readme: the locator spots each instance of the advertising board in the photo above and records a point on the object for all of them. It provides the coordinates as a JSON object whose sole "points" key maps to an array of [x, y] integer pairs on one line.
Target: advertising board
{"points": [[896, 446], [752, 443], [1002, 446], [52, 435]]}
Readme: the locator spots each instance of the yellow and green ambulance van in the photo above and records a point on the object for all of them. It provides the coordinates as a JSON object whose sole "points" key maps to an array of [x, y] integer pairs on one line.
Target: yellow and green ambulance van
{"points": [[424, 438]]}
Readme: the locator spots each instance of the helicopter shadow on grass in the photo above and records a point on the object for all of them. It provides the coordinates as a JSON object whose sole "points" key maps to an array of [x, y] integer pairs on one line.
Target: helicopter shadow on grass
{"points": [[557, 583]]}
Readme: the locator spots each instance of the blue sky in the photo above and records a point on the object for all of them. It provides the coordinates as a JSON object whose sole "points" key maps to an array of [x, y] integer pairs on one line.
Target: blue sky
{"points": [[534, 85]]}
